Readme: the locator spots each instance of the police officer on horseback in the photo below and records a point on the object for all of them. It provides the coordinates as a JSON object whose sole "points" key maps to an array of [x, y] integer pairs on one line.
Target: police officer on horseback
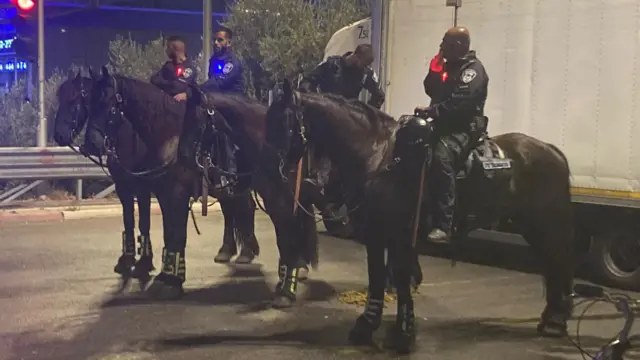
{"points": [[347, 75], [225, 75], [175, 75], [457, 84]]}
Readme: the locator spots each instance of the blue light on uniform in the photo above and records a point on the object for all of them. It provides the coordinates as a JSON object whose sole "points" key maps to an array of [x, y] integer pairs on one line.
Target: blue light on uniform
{"points": [[218, 66]]}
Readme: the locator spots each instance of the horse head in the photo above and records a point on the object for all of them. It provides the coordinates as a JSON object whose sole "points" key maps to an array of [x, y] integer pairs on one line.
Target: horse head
{"points": [[286, 131], [105, 113], [413, 139], [73, 108]]}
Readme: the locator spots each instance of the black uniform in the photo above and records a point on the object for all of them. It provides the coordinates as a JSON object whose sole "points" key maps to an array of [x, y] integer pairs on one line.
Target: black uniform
{"points": [[173, 78], [336, 77], [225, 74], [457, 107]]}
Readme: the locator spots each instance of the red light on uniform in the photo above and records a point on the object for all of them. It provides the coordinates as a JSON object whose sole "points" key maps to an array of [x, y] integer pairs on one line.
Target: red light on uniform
{"points": [[179, 71], [24, 5], [444, 76]]}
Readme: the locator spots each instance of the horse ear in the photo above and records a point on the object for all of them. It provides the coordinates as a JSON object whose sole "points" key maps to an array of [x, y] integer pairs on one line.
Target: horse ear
{"points": [[105, 72]]}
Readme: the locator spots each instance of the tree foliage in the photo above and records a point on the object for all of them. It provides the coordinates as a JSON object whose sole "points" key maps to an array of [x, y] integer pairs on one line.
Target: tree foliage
{"points": [[130, 58], [288, 37]]}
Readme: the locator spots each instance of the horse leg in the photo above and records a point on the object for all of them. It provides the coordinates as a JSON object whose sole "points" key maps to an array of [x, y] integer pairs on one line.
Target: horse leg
{"points": [[126, 261], [555, 246], [402, 258], [144, 265], [244, 215], [174, 203], [229, 248], [369, 321], [552, 240]]}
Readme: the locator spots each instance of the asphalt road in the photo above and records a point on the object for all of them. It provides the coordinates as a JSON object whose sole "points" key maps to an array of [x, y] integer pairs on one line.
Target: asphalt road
{"points": [[56, 302]]}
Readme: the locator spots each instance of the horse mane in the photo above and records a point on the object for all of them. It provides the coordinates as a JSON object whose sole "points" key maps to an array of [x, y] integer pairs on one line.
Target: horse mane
{"points": [[158, 109], [379, 121]]}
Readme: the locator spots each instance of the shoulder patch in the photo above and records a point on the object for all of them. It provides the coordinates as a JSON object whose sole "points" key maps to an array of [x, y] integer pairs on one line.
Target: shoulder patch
{"points": [[468, 75], [374, 76], [227, 68], [187, 72]]}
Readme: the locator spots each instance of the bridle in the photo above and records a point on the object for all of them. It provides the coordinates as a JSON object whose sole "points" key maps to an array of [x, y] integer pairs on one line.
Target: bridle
{"points": [[297, 132], [115, 119]]}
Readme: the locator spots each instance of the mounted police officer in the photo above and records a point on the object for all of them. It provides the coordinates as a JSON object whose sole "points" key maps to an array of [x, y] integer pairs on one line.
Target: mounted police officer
{"points": [[225, 75], [347, 75], [457, 84], [344, 75], [176, 73]]}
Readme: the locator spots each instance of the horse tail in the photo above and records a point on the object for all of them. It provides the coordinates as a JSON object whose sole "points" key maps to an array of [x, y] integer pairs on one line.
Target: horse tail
{"points": [[562, 155]]}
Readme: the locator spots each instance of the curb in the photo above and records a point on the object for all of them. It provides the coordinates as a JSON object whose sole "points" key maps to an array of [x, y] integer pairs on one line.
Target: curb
{"points": [[59, 214]]}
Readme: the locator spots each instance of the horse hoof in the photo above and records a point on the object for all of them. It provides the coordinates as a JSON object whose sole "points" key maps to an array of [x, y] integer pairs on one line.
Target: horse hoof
{"points": [[223, 257], [125, 265], [142, 268], [160, 290], [552, 329], [282, 302], [245, 257], [303, 273], [360, 336], [403, 342]]}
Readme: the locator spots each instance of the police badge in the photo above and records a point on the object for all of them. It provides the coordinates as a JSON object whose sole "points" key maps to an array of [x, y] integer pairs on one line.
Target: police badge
{"points": [[468, 75], [227, 68], [187, 72]]}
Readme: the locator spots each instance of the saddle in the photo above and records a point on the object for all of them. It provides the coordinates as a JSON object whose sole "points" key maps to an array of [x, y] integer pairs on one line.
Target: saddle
{"points": [[213, 148], [484, 156]]}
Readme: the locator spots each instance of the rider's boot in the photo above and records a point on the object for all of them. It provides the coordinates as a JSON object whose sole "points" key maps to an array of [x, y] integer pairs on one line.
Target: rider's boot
{"points": [[168, 284], [227, 181], [128, 257], [287, 286], [144, 265]]}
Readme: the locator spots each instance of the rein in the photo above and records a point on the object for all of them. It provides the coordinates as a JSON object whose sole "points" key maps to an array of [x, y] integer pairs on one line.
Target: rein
{"points": [[298, 111], [110, 140]]}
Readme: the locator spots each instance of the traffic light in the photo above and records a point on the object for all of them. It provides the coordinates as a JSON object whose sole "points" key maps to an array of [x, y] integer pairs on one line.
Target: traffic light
{"points": [[24, 45]]}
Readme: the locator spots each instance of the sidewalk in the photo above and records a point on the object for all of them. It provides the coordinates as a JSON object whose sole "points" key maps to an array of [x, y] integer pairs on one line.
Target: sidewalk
{"points": [[57, 211]]}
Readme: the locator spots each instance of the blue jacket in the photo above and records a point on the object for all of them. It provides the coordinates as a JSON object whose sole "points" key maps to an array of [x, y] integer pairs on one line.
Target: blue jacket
{"points": [[225, 74]]}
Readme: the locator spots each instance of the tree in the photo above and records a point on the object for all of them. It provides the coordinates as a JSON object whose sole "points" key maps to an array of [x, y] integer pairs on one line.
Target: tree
{"points": [[279, 39], [129, 58]]}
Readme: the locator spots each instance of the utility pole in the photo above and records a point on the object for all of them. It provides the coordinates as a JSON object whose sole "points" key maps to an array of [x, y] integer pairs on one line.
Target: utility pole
{"points": [[42, 131], [456, 4], [207, 28]]}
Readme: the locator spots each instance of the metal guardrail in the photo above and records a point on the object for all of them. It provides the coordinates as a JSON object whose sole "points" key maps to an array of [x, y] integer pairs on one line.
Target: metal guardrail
{"points": [[48, 163]]}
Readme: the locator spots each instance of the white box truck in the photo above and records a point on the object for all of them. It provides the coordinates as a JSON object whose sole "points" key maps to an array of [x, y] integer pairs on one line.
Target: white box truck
{"points": [[565, 72]]}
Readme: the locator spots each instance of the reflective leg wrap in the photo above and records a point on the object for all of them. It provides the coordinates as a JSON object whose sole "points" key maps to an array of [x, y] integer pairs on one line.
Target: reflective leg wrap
{"points": [[145, 248], [406, 317], [288, 283], [373, 311], [173, 264], [128, 245]]}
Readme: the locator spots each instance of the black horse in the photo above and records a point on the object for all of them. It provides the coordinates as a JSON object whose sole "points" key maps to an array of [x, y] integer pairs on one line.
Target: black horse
{"points": [[383, 162], [70, 120], [71, 117], [174, 132]]}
